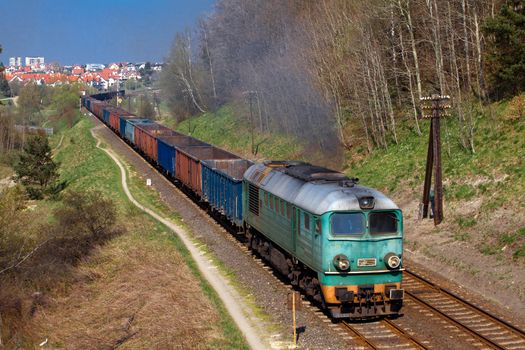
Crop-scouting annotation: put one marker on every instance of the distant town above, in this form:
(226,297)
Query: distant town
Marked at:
(99,76)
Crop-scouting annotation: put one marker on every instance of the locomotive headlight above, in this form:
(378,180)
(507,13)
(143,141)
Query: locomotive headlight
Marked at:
(366,202)
(392,261)
(341,262)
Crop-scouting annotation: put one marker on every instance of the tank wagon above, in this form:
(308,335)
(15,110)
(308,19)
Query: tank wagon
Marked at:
(338,241)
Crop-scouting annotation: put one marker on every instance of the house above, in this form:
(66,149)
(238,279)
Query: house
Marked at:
(77,70)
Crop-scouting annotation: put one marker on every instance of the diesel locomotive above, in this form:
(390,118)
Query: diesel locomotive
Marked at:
(338,241)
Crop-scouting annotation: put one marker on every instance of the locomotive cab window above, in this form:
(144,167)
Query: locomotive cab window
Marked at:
(382,223)
(347,224)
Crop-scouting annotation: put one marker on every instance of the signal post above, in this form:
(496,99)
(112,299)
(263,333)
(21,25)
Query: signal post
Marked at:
(434,108)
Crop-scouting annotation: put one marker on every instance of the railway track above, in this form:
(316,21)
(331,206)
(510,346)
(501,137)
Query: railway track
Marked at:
(489,329)
(383,334)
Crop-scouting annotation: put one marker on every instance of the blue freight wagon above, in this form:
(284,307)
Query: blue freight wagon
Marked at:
(105,115)
(166,146)
(129,128)
(222,186)
(123,121)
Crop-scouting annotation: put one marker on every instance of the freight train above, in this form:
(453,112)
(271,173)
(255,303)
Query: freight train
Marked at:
(340,242)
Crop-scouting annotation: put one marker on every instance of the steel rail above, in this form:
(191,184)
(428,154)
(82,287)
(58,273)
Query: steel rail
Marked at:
(467,303)
(469,306)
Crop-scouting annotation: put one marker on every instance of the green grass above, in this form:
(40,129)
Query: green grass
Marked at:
(222,129)
(466,222)
(86,167)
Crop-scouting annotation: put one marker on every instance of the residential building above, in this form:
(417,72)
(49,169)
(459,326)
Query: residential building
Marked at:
(34,61)
(15,61)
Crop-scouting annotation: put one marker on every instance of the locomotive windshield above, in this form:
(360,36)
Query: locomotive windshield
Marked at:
(344,224)
(383,223)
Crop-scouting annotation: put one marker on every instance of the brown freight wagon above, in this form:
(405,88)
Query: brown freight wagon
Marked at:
(114,119)
(96,108)
(146,138)
(188,164)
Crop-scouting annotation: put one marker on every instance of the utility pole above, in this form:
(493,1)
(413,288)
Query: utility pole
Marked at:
(251,94)
(436,104)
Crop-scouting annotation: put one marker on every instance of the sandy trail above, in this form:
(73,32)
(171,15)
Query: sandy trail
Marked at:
(229,296)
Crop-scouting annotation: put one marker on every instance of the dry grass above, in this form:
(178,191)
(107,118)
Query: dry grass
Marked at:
(135,293)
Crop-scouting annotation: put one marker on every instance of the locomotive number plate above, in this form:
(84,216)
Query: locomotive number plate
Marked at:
(366,262)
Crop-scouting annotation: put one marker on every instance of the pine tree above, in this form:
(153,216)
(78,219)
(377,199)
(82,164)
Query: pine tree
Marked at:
(506,49)
(35,169)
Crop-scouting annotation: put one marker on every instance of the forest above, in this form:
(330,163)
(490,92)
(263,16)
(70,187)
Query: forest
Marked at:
(348,75)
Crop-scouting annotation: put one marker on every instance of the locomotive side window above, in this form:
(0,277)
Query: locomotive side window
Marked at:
(282,207)
(277,205)
(344,224)
(383,223)
(289,208)
(271,201)
(306,219)
(266,198)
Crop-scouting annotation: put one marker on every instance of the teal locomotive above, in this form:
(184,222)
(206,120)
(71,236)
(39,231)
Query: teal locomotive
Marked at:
(340,242)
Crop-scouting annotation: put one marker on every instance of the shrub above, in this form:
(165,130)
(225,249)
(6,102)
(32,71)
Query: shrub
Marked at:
(85,220)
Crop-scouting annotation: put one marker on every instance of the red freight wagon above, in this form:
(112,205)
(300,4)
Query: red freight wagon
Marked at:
(96,108)
(188,160)
(146,138)
(114,119)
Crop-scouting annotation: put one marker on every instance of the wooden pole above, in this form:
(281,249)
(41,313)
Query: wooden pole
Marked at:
(294,321)
(437,108)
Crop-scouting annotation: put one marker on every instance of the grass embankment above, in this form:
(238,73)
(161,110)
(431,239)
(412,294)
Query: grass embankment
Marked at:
(142,288)
(223,130)
(483,190)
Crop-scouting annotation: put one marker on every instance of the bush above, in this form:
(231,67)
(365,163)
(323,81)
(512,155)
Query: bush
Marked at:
(85,220)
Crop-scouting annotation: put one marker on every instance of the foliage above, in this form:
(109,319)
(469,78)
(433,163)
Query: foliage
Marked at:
(65,100)
(15,238)
(84,220)
(146,73)
(146,109)
(507,49)
(30,102)
(5,90)
(35,169)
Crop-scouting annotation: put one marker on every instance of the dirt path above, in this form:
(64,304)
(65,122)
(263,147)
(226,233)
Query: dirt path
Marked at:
(231,299)
(58,146)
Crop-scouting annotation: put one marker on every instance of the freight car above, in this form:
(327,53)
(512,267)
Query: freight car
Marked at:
(338,241)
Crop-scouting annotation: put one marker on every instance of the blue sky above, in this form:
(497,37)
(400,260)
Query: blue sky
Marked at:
(95,31)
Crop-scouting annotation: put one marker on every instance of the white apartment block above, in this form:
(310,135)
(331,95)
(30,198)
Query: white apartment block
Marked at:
(15,61)
(34,61)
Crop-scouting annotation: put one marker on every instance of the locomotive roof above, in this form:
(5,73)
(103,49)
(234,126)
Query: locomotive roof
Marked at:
(315,189)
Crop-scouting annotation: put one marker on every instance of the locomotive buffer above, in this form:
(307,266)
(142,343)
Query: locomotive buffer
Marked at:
(434,108)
